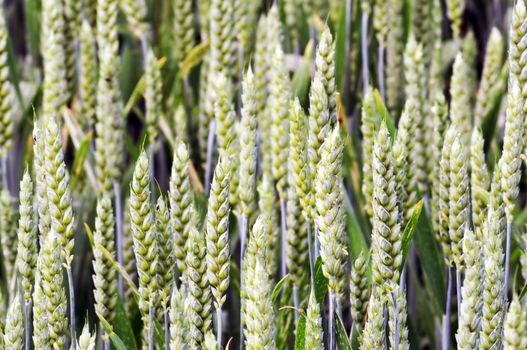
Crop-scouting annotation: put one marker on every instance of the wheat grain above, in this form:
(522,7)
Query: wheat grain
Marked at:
(515,328)
(258,313)
(455,10)
(359,292)
(105,278)
(144,233)
(178,323)
(180,197)
(458,211)
(183,29)
(27,238)
(329,203)
(14,328)
(490,74)
(468,330)
(297,195)
(153,95)
(248,147)
(87,75)
(6,91)
(165,243)
(50,308)
(373,336)
(314,331)
(55,90)
(386,232)
(198,314)
(415,91)
(217,234)
(479,181)
(86,340)
(136,13)
(8,235)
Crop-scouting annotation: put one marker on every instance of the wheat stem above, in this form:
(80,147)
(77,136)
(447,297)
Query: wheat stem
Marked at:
(283,235)
(72,307)
(210,150)
(397,336)
(458,291)
(331,321)
(119,234)
(151,327)
(446,317)
(27,343)
(219,326)
(310,251)
(364,50)
(380,71)
(507,258)
(296,302)
(167,329)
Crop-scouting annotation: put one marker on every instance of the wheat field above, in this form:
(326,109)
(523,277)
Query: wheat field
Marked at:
(261,175)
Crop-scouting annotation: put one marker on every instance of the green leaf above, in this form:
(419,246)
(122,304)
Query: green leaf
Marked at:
(302,77)
(384,114)
(300,335)
(488,125)
(193,58)
(140,87)
(431,260)
(123,327)
(159,335)
(523,292)
(80,156)
(278,288)
(343,342)
(354,337)
(340,49)
(89,233)
(409,230)
(321,282)
(114,338)
(357,242)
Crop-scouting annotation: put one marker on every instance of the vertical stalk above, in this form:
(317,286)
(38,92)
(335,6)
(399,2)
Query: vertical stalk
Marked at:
(243,239)
(507,258)
(219,326)
(151,326)
(446,317)
(72,307)
(3,170)
(151,154)
(187,100)
(364,49)
(167,329)
(458,291)
(317,243)
(310,251)
(210,149)
(296,302)
(283,213)
(331,323)
(27,305)
(106,344)
(119,234)
(397,337)
(380,71)
(386,326)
